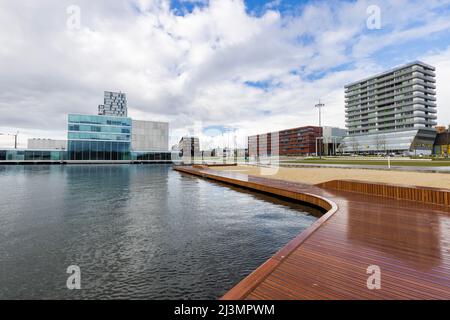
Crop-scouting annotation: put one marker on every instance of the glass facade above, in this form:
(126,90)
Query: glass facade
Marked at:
(98,150)
(86,151)
(418,141)
(32,155)
(93,137)
(151,156)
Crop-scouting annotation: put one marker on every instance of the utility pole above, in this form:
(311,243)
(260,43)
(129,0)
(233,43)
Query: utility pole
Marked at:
(320,106)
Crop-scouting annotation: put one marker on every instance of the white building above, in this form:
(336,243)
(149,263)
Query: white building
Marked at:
(189,146)
(47,144)
(149,136)
(332,138)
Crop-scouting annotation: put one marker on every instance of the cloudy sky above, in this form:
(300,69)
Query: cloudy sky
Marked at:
(207,67)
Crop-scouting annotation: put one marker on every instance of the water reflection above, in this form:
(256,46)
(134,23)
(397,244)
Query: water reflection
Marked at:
(136,231)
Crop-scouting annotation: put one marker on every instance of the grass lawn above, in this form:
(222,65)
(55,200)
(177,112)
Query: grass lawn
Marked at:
(384,162)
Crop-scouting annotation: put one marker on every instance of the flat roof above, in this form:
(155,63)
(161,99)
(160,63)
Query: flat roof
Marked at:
(417,62)
(296,128)
(97,115)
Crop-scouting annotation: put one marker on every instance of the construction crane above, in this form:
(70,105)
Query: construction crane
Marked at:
(15,137)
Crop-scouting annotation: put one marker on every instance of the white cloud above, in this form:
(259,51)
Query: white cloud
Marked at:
(441,61)
(192,69)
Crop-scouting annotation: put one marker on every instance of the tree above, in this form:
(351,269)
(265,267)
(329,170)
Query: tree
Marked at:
(378,142)
(355,145)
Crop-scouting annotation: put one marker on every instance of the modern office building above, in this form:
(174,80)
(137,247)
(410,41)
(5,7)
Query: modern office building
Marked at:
(241,153)
(108,137)
(332,138)
(149,136)
(115,104)
(48,144)
(20,155)
(94,137)
(393,111)
(189,147)
(112,135)
(217,152)
(300,141)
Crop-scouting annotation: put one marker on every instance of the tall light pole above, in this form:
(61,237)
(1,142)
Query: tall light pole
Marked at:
(320,106)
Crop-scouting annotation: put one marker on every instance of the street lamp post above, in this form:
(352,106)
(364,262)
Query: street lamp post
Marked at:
(320,106)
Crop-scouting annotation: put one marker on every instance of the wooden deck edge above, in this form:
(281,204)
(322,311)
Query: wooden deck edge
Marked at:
(249,283)
(253,280)
(426,195)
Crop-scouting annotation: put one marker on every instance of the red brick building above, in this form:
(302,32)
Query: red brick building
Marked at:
(291,142)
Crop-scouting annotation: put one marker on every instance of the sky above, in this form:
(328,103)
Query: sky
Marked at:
(217,69)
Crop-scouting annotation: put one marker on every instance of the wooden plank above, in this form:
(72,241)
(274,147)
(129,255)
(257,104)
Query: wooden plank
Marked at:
(413,193)
(409,240)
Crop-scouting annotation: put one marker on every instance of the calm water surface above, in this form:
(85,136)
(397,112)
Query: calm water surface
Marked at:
(136,231)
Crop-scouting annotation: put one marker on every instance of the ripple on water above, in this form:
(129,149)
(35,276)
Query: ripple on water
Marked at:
(140,232)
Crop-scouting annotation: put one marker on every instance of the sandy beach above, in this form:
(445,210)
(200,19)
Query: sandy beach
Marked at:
(319,175)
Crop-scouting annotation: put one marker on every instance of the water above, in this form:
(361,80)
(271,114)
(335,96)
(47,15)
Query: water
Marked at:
(135,231)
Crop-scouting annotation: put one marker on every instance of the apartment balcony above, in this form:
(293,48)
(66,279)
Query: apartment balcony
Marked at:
(389,79)
(424,109)
(404,108)
(392,93)
(421,82)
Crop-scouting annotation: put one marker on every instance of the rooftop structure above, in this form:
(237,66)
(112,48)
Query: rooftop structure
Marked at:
(115,104)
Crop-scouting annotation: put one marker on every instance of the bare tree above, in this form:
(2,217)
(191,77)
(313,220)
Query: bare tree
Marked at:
(355,144)
(383,143)
(378,142)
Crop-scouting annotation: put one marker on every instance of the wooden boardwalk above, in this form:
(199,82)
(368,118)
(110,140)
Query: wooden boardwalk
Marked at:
(409,241)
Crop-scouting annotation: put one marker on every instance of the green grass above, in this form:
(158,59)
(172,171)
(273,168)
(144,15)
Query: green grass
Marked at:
(406,163)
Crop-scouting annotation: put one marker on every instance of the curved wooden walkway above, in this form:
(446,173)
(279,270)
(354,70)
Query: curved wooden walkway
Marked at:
(409,241)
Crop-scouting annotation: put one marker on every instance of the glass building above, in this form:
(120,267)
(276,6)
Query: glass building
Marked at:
(98,137)
(32,155)
(60,156)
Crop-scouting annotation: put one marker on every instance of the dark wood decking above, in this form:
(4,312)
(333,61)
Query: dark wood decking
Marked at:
(409,241)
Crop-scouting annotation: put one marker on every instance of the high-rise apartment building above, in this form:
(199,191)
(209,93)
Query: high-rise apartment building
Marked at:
(115,104)
(394,111)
